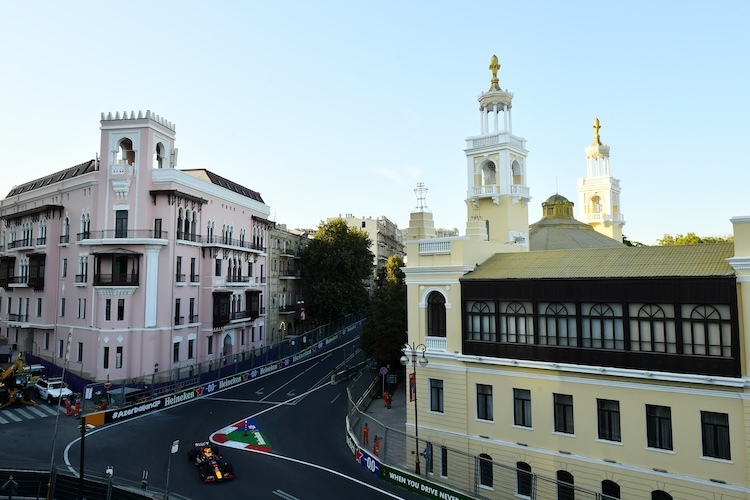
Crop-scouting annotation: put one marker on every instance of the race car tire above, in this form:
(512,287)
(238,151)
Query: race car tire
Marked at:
(192,455)
(228,468)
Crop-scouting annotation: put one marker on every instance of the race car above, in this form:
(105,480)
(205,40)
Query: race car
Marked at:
(210,465)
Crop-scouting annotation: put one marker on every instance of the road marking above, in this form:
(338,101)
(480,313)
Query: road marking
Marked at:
(3,421)
(337,396)
(259,392)
(284,494)
(11,415)
(24,414)
(38,411)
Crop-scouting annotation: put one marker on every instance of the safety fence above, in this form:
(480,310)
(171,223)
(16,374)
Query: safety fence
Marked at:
(63,483)
(437,471)
(126,392)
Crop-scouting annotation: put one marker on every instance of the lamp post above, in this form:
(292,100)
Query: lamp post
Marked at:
(410,355)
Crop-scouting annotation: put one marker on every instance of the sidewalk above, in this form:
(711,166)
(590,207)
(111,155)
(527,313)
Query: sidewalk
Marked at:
(379,418)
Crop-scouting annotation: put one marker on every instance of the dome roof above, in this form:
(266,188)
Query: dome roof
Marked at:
(559,230)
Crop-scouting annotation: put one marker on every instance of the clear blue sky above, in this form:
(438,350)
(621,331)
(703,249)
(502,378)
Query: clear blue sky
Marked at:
(330,108)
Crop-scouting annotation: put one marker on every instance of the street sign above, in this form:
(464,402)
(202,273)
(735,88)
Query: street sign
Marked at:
(383,370)
(175,446)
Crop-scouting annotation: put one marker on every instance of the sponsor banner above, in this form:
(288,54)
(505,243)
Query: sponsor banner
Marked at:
(368,461)
(134,411)
(419,484)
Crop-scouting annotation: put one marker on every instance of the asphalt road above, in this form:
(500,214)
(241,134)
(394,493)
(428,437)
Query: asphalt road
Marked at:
(300,414)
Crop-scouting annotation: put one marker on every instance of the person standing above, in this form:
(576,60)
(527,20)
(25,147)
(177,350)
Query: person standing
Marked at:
(376,447)
(366,434)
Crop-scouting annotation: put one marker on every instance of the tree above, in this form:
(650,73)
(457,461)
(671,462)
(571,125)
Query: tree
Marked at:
(629,243)
(335,265)
(692,239)
(384,332)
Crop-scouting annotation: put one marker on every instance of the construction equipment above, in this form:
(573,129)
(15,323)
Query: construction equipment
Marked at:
(14,386)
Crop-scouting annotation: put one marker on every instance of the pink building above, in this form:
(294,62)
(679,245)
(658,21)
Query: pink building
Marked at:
(145,267)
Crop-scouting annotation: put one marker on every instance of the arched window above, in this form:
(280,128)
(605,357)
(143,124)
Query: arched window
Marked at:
(436,315)
(600,328)
(480,321)
(596,204)
(516,324)
(125,153)
(485,470)
(159,155)
(488,174)
(524,479)
(565,489)
(559,326)
(653,330)
(517,173)
(610,490)
(707,332)
(660,495)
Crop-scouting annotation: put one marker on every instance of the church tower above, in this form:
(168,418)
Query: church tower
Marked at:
(599,192)
(498,196)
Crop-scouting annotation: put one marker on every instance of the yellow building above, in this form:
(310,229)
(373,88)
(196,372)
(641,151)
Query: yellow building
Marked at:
(562,365)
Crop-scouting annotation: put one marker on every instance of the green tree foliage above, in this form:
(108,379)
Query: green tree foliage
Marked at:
(335,264)
(692,239)
(384,331)
(629,243)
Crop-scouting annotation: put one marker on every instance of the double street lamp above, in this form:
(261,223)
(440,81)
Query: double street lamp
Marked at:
(411,353)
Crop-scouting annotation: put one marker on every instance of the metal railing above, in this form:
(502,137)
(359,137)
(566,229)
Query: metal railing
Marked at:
(122,279)
(122,233)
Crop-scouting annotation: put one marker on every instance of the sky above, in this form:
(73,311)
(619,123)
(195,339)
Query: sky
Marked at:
(330,108)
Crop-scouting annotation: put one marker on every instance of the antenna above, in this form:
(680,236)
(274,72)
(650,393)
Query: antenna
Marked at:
(421,192)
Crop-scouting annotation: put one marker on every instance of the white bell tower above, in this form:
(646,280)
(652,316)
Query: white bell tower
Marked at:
(599,192)
(497,197)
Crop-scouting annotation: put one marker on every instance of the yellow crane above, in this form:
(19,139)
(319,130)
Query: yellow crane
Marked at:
(13,386)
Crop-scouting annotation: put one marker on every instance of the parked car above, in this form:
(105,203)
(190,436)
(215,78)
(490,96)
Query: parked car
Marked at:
(35,372)
(52,389)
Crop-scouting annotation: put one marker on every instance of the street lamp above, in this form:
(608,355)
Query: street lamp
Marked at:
(412,351)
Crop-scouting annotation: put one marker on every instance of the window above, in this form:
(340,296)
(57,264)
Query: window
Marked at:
(191,349)
(427,454)
(610,490)
(484,402)
(177,313)
(64,267)
(523,479)
(81,308)
(60,348)
(217,272)
(564,413)
(522,407)
(118,357)
(193,275)
(38,307)
(608,414)
(193,318)
(515,323)
(444,461)
(659,427)
(108,309)
(106,358)
(480,321)
(157,228)
(46,341)
(565,489)
(62,307)
(557,324)
(436,315)
(121,224)
(120,309)
(210,348)
(653,330)
(436,395)
(176,352)
(179,276)
(708,332)
(715,430)
(485,470)
(80,352)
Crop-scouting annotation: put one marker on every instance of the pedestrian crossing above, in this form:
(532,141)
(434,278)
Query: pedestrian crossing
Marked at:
(13,414)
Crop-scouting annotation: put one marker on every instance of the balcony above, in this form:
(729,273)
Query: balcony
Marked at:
(241,316)
(122,279)
(290,274)
(18,280)
(18,318)
(238,280)
(179,320)
(81,279)
(24,244)
(436,343)
(193,318)
(179,277)
(231,242)
(65,238)
(40,242)
(131,234)
(287,309)
(183,236)
(194,278)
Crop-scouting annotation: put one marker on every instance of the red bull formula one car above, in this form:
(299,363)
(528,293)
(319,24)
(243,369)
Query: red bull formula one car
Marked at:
(211,466)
